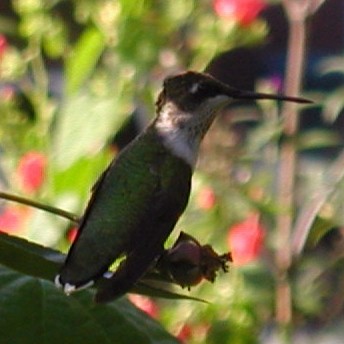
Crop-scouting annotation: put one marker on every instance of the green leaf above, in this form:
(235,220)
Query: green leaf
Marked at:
(84,125)
(148,290)
(35,311)
(320,227)
(310,210)
(29,258)
(333,64)
(39,261)
(333,105)
(80,176)
(133,7)
(263,135)
(83,59)
(317,138)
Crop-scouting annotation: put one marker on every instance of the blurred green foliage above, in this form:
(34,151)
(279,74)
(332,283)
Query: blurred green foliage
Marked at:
(72,73)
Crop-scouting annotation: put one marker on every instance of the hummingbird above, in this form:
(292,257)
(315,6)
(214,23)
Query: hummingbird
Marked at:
(139,198)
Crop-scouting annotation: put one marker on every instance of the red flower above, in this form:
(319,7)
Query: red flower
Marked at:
(243,11)
(245,240)
(185,333)
(3,44)
(206,198)
(71,234)
(31,171)
(10,220)
(145,304)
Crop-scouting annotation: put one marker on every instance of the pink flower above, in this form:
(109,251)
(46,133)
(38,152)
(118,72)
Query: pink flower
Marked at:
(10,220)
(245,240)
(146,304)
(7,92)
(242,11)
(206,198)
(3,44)
(276,82)
(31,171)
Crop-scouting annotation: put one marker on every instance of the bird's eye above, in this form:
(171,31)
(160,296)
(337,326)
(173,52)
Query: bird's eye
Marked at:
(196,87)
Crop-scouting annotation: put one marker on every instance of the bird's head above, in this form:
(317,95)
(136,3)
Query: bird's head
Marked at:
(191,100)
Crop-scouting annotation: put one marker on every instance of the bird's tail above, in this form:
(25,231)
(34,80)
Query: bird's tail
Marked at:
(127,274)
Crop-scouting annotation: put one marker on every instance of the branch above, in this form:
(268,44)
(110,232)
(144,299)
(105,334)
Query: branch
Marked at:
(50,209)
(297,13)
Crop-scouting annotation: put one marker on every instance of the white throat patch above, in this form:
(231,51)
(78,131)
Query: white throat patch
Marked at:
(182,131)
(175,138)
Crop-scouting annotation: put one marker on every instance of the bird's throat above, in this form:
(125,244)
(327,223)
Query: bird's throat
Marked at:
(177,137)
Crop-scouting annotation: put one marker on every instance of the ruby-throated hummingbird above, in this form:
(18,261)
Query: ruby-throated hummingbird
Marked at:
(137,201)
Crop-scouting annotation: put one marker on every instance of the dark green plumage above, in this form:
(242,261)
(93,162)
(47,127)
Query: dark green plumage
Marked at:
(139,198)
(133,209)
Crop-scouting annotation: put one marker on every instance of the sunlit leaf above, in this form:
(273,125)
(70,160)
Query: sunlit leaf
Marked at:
(85,123)
(320,227)
(318,138)
(83,58)
(76,180)
(333,105)
(331,65)
(133,7)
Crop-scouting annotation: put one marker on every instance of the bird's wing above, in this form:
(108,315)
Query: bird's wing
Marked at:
(168,203)
(123,214)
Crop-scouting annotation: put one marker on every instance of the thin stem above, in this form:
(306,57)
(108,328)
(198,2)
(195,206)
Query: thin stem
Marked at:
(38,205)
(296,12)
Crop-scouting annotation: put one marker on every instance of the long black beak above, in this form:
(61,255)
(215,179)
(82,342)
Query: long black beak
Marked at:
(238,94)
(254,95)
(242,94)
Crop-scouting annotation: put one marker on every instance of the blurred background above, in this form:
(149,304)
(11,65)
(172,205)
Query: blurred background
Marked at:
(78,80)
